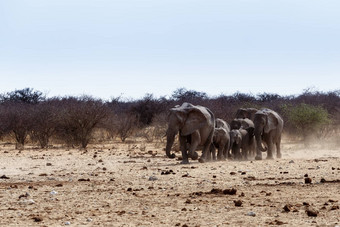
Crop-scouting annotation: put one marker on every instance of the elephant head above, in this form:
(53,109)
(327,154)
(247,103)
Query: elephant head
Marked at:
(246,113)
(264,122)
(185,120)
(235,137)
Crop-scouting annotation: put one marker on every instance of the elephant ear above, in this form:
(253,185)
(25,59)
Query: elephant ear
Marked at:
(195,119)
(180,114)
(271,122)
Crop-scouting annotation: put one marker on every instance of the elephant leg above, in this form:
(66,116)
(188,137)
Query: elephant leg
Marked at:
(212,152)
(183,147)
(270,149)
(258,154)
(220,152)
(195,139)
(206,149)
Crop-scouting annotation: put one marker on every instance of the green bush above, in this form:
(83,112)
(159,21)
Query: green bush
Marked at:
(306,119)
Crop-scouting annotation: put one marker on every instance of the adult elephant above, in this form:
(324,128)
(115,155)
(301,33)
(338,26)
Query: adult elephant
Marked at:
(246,113)
(221,140)
(268,130)
(195,126)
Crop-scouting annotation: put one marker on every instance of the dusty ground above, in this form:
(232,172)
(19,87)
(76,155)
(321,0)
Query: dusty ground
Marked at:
(124,185)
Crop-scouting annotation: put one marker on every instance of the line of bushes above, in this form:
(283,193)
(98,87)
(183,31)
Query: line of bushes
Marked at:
(28,115)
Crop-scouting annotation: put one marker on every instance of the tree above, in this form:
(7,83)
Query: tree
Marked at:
(78,117)
(26,95)
(307,119)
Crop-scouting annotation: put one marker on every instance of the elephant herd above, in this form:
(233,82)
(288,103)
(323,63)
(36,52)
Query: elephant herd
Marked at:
(249,134)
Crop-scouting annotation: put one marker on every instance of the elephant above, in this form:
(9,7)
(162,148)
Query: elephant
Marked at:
(195,126)
(241,139)
(221,140)
(268,130)
(246,113)
(248,125)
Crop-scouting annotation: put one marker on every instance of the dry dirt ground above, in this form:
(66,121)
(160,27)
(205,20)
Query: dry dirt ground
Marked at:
(133,184)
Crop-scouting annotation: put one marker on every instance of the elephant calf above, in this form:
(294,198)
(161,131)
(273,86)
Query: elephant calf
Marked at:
(241,139)
(221,140)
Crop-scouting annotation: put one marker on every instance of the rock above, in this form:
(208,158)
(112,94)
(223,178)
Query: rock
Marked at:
(67,223)
(53,192)
(232,173)
(305,204)
(323,180)
(335,207)
(37,219)
(188,201)
(308,180)
(153,178)
(82,179)
(306,175)
(48,164)
(311,212)
(4,177)
(287,208)
(58,185)
(251,213)
(291,161)
(238,203)
(89,220)
(231,191)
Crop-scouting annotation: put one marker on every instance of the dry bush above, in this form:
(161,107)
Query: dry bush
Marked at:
(125,125)
(16,119)
(77,119)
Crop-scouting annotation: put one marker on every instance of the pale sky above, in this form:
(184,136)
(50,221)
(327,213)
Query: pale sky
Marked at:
(108,48)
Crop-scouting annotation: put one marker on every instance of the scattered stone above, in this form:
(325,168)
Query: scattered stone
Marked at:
(188,201)
(43,175)
(24,195)
(277,222)
(82,179)
(243,173)
(238,203)
(232,173)
(67,223)
(335,207)
(4,177)
(53,192)
(305,204)
(323,180)
(291,161)
(185,175)
(89,220)
(308,180)
(185,225)
(287,208)
(178,224)
(214,176)
(129,190)
(311,212)
(100,160)
(58,185)
(231,191)
(184,209)
(37,219)
(104,169)
(242,194)
(153,178)
(306,175)
(251,213)
(48,164)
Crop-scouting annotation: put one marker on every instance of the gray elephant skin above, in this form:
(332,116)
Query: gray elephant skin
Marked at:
(241,139)
(195,126)
(221,140)
(248,138)
(246,113)
(268,130)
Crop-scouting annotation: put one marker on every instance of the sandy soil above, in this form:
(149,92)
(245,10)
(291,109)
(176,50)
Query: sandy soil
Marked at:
(124,185)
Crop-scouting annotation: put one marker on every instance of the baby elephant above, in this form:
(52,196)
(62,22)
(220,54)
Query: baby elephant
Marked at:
(241,139)
(221,140)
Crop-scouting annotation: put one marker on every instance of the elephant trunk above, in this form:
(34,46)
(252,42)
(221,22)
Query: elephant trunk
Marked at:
(170,138)
(258,137)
